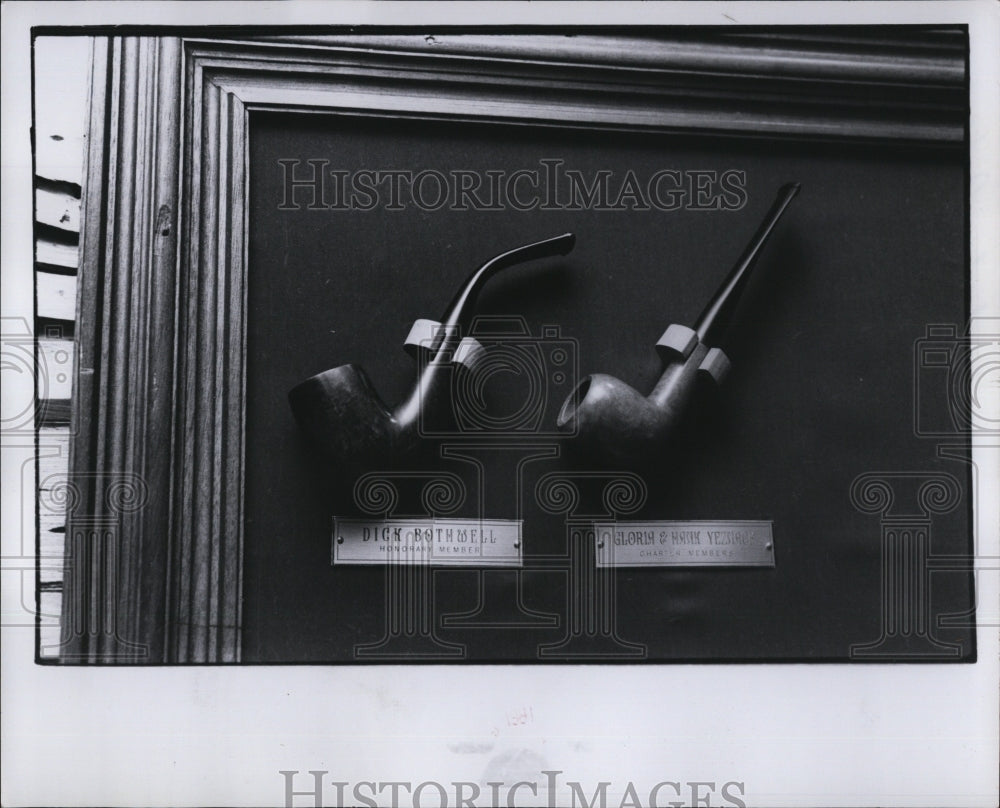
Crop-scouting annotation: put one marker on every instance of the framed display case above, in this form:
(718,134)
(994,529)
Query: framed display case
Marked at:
(258,209)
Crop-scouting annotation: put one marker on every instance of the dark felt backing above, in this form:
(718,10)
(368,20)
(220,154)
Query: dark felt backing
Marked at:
(822,390)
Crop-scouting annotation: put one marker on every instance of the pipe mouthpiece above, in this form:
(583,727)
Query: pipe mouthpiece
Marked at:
(789,190)
(459,311)
(718,314)
(547,248)
(565,243)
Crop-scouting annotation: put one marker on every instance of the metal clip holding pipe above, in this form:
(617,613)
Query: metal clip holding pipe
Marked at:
(342,413)
(620,423)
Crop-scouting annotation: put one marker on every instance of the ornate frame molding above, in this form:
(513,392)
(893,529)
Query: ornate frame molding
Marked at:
(159,396)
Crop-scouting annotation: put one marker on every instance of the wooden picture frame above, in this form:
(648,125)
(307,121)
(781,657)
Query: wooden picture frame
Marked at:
(155,537)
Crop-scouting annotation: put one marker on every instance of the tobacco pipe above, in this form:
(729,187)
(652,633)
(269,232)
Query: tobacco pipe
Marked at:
(617,421)
(342,413)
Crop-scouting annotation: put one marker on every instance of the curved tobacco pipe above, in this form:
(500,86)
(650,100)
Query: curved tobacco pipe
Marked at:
(339,408)
(623,424)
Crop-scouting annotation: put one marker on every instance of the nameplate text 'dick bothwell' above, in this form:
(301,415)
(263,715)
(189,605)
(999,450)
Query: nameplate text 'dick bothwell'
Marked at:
(444,542)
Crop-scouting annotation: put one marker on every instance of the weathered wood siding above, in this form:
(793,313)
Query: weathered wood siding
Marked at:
(61,69)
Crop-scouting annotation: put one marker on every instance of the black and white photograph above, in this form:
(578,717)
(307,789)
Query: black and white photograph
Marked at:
(501,404)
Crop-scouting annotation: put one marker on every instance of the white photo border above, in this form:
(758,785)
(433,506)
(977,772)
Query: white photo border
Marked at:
(799,735)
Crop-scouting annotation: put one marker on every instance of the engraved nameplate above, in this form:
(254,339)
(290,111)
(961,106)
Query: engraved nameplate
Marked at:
(684,544)
(444,542)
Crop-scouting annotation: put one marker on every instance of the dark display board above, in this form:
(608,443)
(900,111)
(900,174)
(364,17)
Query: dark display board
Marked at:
(827,370)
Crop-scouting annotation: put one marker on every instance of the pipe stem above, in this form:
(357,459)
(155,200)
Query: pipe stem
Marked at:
(718,314)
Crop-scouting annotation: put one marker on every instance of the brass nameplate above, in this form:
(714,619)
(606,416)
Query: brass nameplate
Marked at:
(684,544)
(444,542)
